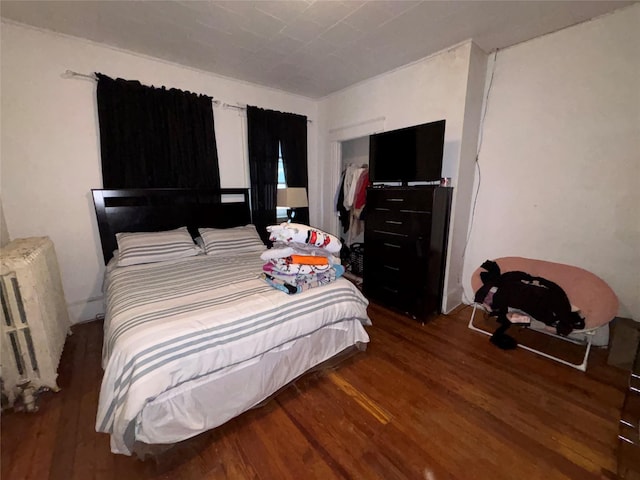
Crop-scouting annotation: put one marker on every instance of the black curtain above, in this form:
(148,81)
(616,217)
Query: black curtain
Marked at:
(154,137)
(262,132)
(265,129)
(293,141)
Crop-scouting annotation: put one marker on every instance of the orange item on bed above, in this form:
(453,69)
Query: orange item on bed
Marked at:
(309,260)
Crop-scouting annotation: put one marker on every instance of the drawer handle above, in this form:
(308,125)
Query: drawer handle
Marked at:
(625,439)
(395,269)
(393,222)
(392,290)
(402,210)
(395,199)
(635,375)
(393,245)
(627,424)
(391,233)
(634,389)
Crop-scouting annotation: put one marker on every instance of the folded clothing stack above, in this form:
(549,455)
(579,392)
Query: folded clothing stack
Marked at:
(301,258)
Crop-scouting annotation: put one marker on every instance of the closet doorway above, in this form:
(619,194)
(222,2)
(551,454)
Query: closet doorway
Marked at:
(354,154)
(347,143)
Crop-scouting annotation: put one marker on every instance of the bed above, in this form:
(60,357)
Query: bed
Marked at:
(192,342)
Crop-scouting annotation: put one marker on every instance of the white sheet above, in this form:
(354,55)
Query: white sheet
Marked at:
(239,388)
(173,322)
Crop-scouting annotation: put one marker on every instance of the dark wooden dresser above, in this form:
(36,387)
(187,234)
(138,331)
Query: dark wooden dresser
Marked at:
(406,232)
(629,436)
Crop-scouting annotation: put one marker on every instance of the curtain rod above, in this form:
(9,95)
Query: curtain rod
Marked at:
(72,74)
(240,107)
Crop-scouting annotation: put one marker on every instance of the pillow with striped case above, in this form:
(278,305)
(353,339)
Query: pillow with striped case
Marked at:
(231,241)
(150,247)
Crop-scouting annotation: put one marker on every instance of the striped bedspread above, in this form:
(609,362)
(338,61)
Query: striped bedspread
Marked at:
(172,322)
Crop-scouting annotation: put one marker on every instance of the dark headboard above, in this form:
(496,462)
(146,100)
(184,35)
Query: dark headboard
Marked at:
(157,209)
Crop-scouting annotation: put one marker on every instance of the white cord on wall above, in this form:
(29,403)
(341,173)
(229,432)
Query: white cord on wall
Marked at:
(477,165)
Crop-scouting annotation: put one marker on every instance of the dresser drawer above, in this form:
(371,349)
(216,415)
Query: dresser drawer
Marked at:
(402,268)
(631,408)
(629,433)
(411,224)
(391,272)
(628,461)
(385,294)
(630,420)
(395,250)
(405,299)
(405,199)
(634,382)
(629,427)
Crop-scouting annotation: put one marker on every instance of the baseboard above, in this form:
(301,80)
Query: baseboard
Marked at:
(86,311)
(452,299)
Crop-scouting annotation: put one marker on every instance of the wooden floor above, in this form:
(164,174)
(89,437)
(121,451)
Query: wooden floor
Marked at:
(424,402)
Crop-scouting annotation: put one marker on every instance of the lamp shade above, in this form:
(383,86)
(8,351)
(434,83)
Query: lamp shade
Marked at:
(294,197)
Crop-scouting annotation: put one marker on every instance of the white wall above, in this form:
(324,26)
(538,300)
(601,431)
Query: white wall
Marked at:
(560,159)
(437,87)
(4,233)
(50,143)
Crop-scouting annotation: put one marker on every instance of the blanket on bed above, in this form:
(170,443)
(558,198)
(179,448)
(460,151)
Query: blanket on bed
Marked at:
(171,322)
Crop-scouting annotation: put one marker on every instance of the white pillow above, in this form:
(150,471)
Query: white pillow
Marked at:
(149,247)
(231,241)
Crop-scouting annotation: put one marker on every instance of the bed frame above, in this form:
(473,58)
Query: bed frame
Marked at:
(158,209)
(142,210)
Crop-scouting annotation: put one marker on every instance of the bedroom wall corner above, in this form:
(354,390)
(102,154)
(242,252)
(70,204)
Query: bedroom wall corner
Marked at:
(560,156)
(464,175)
(4,232)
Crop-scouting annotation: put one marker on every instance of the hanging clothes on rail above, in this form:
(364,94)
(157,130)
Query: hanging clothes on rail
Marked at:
(359,202)
(350,180)
(351,200)
(343,213)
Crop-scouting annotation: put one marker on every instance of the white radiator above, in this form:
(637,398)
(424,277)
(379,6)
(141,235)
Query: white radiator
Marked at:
(34,316)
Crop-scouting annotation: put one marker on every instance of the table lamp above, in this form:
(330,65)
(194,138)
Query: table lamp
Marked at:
(292,198)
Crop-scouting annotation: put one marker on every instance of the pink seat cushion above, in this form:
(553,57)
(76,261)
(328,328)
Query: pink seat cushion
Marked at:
(598,304)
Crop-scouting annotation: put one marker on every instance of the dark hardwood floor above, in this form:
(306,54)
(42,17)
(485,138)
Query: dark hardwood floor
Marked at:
(431,401)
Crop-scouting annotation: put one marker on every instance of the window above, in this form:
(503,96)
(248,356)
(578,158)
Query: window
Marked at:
(281,212)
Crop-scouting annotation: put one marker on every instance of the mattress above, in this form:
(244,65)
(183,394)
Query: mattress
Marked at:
(247,384)
(174,327)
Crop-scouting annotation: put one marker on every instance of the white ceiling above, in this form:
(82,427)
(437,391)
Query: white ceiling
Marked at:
(307,47)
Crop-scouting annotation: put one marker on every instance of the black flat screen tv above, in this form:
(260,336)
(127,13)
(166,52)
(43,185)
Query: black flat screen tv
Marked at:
(412,154)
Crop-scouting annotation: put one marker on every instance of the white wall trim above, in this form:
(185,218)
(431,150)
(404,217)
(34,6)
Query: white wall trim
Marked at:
(356,130)
(336,136)
(335,154)
(451,299)
(86,310)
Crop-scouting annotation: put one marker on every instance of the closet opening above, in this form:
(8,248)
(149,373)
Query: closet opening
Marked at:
(351,203)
